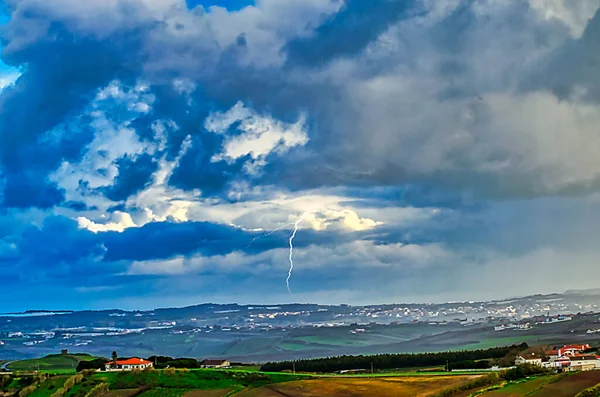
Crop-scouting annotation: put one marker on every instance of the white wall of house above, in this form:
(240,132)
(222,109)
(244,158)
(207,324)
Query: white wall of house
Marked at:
(534,361)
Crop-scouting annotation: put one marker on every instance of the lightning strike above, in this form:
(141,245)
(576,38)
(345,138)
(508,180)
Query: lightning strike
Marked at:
(268,234)
(287,280)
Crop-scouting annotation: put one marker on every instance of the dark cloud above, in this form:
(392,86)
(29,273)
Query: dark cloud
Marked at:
(342,151)
(196,170)
(347,32)
(61,76)
(573,65)
(30,189)
(421,118)
(164,240)
(134,176)
(77,206)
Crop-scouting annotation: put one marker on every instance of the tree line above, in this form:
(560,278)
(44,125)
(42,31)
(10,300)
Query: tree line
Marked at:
(160,362)
(390,361)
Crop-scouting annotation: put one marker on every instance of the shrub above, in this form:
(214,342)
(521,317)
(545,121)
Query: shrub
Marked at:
(182,363)
(525,370)
(98,390)
(470,364)
(591,392)
(5,381)
(72,381)
(27,390)
(59,393)
(40,378)
(98,363)
(479,382)
(170,371)
(254,377)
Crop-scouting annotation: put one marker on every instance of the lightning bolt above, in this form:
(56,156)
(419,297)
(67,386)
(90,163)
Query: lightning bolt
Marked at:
(287,280)
(268,234)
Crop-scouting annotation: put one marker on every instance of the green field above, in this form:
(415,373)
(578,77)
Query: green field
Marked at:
(230,383)
(82,389)
(494,342)
(521,388)
(332,341)
(204,379)
(47,388)
(54,362)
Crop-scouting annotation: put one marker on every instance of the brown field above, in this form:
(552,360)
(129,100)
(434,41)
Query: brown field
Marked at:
(207,393)
(120,393)
(417,386)
(570,386)
(519,389)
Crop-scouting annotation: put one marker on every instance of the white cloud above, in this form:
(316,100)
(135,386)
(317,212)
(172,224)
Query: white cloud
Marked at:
(8,79)
(118,222)
(361,255)
(574,14)
(261,136)
(98,166)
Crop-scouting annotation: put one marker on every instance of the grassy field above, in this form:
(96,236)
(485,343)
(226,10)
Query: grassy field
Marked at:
(55,362)
(520,388)
(358,387)
(247,382)
(49,387)
(203,379)
(495,342)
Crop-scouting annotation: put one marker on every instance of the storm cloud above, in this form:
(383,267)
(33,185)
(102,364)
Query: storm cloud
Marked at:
(144,140)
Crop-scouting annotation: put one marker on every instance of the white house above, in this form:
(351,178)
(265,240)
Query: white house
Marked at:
(129,364)
(215,364)
(532,359)
(557,362)
(571,350)
(584,362)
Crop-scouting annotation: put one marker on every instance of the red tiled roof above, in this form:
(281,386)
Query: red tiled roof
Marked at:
(587,356)
(577,347)
(213,362)
(131,361)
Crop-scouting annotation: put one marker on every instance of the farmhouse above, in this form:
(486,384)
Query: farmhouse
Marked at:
(584,362)
(571,350)
(128,365)
(557,362)
(530,359)
(215,364)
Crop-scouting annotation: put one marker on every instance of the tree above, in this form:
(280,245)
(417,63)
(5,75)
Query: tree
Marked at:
(114,357)
(98,363)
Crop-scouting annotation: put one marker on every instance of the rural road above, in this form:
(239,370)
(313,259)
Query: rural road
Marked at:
(3,367)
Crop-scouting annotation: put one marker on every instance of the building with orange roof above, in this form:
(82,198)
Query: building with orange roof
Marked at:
(128,364)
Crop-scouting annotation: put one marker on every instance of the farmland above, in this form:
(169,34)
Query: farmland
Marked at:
(561,385)
(217,383)
(252,383)
(418,386)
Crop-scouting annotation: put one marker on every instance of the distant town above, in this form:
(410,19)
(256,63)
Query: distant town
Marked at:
(300,328)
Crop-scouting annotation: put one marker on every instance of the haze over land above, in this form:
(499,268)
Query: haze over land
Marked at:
(434,151)
(258,333)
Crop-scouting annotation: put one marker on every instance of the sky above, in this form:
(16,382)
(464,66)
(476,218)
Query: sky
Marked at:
(159,152)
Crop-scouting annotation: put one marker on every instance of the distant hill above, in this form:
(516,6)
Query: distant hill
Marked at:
(50,362)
